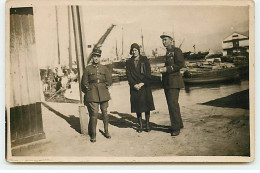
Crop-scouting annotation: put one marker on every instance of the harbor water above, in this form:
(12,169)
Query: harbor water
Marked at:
(190,95)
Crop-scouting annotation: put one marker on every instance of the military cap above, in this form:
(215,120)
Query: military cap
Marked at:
(97,52)
(166,34)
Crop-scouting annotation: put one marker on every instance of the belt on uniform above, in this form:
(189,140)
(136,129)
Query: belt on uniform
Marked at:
(96,81)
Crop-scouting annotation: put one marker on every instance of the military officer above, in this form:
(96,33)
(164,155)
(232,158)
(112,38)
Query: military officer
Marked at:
(172,81)
(95,82)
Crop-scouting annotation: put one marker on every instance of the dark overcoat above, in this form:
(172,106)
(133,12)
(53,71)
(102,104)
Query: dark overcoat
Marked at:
(174,61)
(141,100)
(95,82)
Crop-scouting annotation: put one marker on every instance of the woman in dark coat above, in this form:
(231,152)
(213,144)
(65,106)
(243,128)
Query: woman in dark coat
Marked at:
(138,72)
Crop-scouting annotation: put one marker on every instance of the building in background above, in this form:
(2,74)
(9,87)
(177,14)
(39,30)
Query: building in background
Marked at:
(236,45)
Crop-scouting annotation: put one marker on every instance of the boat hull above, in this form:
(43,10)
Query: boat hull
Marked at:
(213,76)
(210,80)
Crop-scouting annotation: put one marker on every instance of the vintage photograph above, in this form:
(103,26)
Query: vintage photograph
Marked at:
(130,81)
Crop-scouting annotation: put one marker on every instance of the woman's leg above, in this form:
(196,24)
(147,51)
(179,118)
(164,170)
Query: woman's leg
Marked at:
(139,118)
(147,117)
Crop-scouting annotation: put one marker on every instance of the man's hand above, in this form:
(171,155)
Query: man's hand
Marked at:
(87,88)
(163,69)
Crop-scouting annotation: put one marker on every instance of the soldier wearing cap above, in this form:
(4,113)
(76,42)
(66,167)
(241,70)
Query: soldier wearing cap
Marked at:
(172,81)
(95,82)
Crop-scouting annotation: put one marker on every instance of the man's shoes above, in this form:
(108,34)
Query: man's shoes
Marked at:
(93,140)
(107,135)
(175,133)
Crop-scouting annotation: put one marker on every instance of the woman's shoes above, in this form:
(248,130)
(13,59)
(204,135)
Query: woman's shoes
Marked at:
(148,129)
(140,130)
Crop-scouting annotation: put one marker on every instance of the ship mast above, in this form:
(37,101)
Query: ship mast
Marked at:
(142,40)
(173,37)
(122,41)
(116,52)
(181,43)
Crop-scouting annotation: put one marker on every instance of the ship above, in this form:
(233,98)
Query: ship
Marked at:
(193,56)
(209,75)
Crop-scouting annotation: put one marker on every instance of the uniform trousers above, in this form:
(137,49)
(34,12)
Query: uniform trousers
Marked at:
(93,108)
(172,97)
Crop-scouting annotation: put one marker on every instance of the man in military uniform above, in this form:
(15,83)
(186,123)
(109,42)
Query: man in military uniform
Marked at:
(172,81)
(95,82)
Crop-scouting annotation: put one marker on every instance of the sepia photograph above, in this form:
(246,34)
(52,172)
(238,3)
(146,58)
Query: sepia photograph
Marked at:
(130,81)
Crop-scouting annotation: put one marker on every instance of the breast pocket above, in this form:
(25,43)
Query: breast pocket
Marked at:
(92,76)
(102,75)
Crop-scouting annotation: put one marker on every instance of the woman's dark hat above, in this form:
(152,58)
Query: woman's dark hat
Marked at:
(134,45)
(96,52)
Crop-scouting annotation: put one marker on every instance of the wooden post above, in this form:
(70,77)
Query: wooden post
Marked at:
(69,49)
(81,65)
(58,40)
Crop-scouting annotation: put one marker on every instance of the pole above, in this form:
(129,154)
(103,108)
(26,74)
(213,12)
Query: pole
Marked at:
(81,65)
(78,45)
(70,56)
(57,27)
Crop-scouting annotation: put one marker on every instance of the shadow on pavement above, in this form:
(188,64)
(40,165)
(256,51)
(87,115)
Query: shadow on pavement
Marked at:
(72,120)
(236,100)
(129,121)
(125,121)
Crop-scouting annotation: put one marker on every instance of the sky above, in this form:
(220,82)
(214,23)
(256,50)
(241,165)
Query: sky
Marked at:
(204,26)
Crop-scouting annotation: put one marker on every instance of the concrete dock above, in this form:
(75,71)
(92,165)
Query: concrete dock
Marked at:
(208,130)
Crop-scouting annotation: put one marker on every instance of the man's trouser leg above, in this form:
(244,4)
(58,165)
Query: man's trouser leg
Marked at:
(103,107)
(93,115)
(172,97)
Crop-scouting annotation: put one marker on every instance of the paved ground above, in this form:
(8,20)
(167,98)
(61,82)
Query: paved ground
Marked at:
(208,131)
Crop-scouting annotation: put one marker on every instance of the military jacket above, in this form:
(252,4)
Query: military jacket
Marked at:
(174,61)
(95,82)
